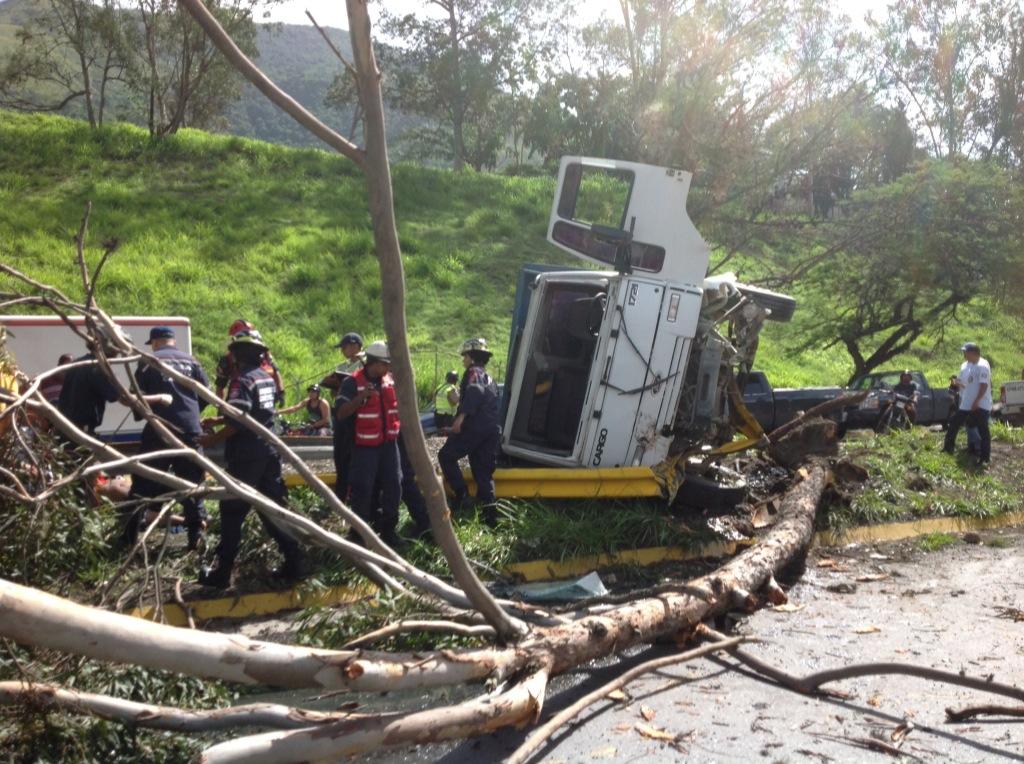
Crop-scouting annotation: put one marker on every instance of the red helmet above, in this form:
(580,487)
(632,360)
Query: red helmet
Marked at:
(240,325)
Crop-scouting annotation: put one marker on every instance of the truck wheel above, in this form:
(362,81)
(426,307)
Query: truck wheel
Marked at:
(782,306)
(720,488)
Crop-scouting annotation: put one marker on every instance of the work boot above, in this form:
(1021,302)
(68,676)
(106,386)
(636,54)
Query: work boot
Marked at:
(460,502)
(293,569)
(215,578)
(195,532)
(423,533)
(392,539)
(489,514)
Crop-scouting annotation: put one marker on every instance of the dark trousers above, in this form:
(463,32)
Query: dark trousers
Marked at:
(375,485)
(342,457)
(411,494)
(262,471)
(144,488)
(977,418)
(482,450)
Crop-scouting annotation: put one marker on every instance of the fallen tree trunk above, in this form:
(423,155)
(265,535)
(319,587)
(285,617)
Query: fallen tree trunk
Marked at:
(43,620)
(36,618)
(517,706)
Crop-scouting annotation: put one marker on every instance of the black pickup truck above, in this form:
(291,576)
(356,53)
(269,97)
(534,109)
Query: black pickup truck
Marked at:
(774,407)
(933,404)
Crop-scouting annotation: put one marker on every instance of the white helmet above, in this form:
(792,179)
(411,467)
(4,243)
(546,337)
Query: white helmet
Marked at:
(378,351)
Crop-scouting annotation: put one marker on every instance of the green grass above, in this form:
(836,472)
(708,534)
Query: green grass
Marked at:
(216,227)
(911,477)
(933,542)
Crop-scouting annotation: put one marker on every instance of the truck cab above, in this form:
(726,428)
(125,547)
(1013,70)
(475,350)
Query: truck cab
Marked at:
(617,364)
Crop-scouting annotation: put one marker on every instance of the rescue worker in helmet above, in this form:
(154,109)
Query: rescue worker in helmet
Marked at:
(227,369)
(474,431)
(446,401)
(351,347)
(318,413)
(368,398)
(250,459)
(908,389)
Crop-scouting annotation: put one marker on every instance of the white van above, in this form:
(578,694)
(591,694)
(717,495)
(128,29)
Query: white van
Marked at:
(616,367)
(36,342)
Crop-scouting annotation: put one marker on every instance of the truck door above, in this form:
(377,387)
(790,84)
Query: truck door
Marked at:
(925,400)
(627,371)
(598,197)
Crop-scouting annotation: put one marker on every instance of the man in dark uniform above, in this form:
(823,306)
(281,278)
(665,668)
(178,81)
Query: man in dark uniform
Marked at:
(182,417)
(474,432)
(351,347)
(227,369)
(85,395)
(251,460)
(368,399)
(412,496)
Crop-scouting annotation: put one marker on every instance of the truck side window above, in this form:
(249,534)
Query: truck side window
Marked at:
(595,195)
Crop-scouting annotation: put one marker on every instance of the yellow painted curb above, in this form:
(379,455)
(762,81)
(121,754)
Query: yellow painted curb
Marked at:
(545,570)
(896,531)
(268,603)
(294,481)
(260,603)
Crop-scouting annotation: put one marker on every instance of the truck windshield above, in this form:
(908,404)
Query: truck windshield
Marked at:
(554,385)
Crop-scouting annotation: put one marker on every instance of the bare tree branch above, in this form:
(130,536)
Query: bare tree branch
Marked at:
(278,97)
(46,696)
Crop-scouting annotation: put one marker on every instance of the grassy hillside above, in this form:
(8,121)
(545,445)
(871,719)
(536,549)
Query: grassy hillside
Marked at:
(215,227)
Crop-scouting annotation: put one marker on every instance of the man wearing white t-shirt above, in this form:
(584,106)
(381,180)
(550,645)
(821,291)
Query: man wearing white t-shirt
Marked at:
(975,383)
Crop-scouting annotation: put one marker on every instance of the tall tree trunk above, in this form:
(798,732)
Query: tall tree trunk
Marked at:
(87,89)
(392,275)
(458,97)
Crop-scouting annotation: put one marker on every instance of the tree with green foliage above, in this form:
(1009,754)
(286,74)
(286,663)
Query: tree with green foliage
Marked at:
(69,50)
(452,62)
(960,64)
(910,255)
(173,68)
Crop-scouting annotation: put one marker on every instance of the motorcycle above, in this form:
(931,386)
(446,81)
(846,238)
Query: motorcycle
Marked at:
(896,415)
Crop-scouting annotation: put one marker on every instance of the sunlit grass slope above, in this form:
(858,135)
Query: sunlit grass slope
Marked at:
(216,227)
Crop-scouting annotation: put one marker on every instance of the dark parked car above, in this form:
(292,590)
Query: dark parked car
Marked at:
(773,407)
(932,403)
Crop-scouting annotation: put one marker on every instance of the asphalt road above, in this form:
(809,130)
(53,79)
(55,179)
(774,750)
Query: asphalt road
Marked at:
(890,602)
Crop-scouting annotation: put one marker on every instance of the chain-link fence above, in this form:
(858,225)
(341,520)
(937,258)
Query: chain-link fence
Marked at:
(429,364)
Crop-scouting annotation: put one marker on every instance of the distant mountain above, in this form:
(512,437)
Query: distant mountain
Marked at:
(293,56)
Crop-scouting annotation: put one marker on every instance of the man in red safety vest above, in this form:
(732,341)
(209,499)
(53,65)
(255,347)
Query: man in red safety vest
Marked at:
(369,396)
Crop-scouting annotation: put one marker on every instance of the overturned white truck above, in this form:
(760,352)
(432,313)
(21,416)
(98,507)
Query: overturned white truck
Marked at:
(632,364)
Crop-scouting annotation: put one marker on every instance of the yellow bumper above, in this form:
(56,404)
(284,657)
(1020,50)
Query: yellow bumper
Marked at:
(557,483)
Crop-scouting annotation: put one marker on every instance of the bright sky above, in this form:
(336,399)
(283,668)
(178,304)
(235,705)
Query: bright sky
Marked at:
(332,12)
